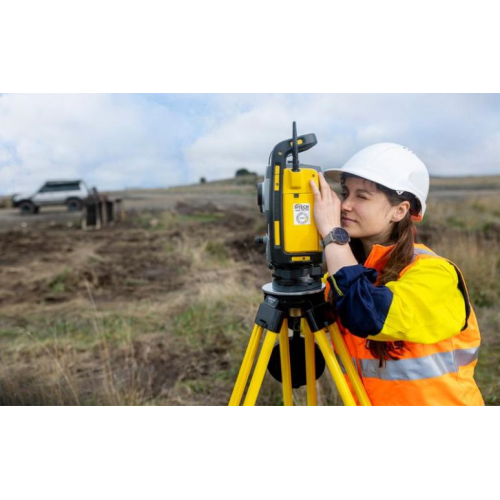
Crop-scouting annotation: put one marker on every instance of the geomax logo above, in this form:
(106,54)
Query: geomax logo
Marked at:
(301,206)
(302,214)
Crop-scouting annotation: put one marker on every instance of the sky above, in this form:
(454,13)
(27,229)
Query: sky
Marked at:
(117,141)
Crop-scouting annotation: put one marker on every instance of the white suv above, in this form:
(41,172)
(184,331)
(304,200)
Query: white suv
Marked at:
(69,193)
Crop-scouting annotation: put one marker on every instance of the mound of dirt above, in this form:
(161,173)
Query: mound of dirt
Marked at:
(124,262)
(54,266)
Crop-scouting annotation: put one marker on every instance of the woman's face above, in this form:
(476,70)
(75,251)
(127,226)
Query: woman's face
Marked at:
(366,211)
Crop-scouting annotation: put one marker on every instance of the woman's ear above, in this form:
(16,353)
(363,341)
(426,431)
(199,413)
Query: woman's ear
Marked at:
(400,211)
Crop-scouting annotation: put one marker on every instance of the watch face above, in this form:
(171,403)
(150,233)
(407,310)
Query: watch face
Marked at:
(341,235)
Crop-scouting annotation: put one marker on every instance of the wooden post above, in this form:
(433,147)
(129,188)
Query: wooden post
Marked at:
(104,212)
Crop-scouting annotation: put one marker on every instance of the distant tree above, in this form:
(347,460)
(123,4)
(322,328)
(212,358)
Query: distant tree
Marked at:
(203,180)
(242,171)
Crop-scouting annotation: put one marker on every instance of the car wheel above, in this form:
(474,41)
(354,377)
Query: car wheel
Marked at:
(74,204)
(27,208)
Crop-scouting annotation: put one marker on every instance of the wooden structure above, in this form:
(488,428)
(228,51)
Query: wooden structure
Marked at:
(100,211)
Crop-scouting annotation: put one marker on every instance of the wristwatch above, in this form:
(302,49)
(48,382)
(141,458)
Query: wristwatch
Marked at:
(336,235)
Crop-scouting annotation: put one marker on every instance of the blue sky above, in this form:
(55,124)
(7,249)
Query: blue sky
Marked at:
(116,141)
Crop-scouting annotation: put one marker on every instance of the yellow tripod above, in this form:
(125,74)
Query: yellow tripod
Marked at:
(315,317)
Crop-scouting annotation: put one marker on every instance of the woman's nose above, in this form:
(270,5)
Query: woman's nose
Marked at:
(346,205)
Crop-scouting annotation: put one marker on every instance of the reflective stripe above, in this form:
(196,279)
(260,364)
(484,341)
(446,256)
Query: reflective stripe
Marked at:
(431,366)
(418,251)
(466,356)
(342,367)
(342,364)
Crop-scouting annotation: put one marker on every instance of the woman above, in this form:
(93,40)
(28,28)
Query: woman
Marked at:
(404,311)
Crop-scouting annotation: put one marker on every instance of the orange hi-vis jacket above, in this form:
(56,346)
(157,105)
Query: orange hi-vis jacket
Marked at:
(428,308)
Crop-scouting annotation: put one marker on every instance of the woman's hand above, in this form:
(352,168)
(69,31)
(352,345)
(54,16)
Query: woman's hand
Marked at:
(327,207)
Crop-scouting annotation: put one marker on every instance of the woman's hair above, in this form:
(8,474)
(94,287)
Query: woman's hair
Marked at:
(403,238)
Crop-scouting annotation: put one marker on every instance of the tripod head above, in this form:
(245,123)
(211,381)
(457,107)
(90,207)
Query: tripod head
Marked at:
(286,199)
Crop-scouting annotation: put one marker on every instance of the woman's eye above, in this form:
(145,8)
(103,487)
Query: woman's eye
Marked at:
(362,197)
(343,195)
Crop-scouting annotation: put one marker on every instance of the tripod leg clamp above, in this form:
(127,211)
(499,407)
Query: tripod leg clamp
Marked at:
(269,316)
(320,316)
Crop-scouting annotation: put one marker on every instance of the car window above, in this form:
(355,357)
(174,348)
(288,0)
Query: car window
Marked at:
(71,186)
(48,189)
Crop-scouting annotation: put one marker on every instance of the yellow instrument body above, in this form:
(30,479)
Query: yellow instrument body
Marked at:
(300,233)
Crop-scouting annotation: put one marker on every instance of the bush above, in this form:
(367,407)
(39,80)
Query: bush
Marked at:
(243,172)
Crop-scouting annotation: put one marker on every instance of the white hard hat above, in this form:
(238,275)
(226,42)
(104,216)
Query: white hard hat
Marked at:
(391,165)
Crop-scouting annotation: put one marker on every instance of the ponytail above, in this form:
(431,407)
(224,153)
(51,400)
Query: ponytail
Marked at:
(403,235)
(401,255)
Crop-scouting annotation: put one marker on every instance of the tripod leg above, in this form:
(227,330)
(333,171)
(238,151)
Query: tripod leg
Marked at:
(246,365)
(310,364)
(341,348)
(260,368)
(334,367)
(286,370)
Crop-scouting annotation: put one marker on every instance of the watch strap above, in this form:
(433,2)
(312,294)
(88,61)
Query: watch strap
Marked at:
(331,238)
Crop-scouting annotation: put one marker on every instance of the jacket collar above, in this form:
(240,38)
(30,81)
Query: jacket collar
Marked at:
(378,256)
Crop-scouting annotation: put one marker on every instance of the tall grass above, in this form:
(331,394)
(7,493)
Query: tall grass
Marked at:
(185,345)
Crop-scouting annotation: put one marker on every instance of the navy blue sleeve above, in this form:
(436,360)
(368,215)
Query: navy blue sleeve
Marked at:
(362,306)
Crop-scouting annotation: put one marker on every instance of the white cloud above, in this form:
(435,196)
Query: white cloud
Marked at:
(113,141)
(448,131)
(116,141)
(243,139)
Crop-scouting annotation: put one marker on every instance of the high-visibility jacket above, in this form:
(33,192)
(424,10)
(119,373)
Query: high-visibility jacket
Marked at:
(428,308)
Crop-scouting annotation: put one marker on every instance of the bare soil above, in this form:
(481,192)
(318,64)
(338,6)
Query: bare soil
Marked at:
(129,314)
(53,273)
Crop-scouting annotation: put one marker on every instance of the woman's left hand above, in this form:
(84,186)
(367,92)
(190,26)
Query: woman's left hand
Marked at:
(327,207)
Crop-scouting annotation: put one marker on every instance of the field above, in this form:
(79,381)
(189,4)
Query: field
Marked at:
(158,310)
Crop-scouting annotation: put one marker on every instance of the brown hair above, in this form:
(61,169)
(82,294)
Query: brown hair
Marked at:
(403,237)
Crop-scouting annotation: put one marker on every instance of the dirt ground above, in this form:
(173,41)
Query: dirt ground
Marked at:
(58,279)
(114,260)
(156,309)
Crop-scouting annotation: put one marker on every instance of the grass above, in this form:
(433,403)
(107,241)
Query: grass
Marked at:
(59,283)
(217,250)
(466,183)
(209,324)
(466,212)
(478,259)
(167,220)
(158,351)
(185,345)
(80,331)
(91,360)
(487,374)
